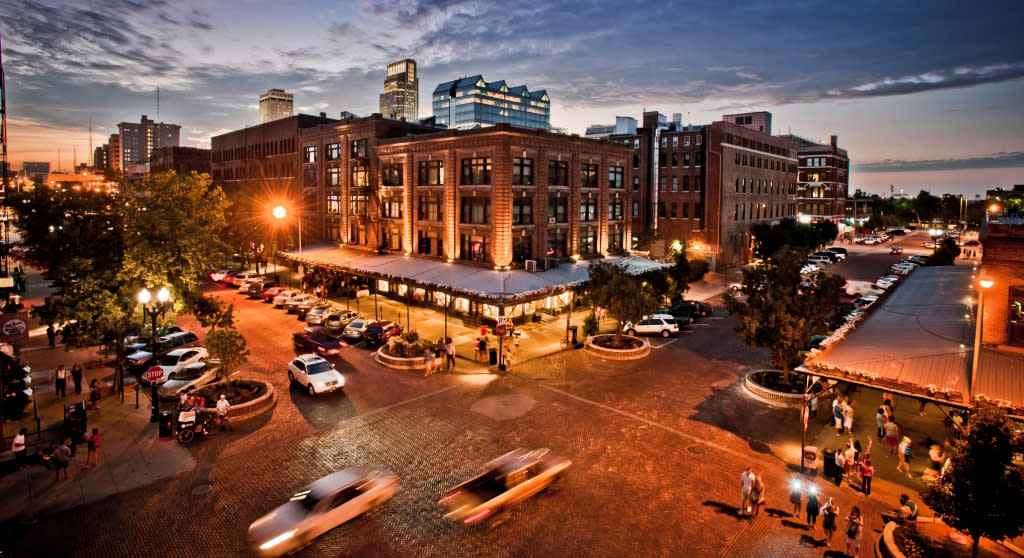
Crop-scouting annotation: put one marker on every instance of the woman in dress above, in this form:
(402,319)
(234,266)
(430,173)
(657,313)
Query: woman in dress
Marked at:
(756,495)
(813,507)
(829,513)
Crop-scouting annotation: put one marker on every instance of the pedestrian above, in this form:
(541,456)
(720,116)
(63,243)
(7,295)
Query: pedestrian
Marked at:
(880,421)
(51,335)
(60,457)
(837,414)
(77,373)
(94,393)
(428,361)
(450,351)
(747,480)
(936,458)
(796,496)
(19,447)
(850,457)
(93,443)
(867,471)
(508,359)
(813,507)
(847,416)
(483,331)
(854,530)
(60,380)
(921,408)
(183,400)
(756,495)
(904,455)
(840,466)
(829,513)
(892,433)
(222,412)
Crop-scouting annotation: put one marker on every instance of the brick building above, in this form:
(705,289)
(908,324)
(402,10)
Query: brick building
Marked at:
(181,160)
(823,179)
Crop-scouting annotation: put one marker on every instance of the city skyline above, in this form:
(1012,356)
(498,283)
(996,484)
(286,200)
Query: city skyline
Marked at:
(917,106)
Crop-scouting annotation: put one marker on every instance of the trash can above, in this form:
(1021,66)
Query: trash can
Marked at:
(572,334)
(829,458)
(811,459)
(166,424)
(76,421)
(493,352)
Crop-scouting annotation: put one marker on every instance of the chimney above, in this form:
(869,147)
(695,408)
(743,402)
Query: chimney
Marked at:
(835,141)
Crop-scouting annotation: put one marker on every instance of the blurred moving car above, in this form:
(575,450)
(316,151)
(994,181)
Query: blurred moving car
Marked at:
(221,275)
(505,481)
(315,374)
(896,250)
(378,333)
(320,507)
(192,376)
(238,278)
(316,340)
(887,281)
(257,288)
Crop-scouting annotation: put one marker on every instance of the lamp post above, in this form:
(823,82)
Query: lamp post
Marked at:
(984,285)
(163,296)
(280,213)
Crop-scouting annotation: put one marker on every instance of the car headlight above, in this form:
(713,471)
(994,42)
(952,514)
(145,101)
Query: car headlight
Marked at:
(277,540)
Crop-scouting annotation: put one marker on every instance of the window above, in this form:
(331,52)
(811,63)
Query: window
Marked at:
(391,174)
(636,161)
(636,209)
(675,159)
(615,209)
(699,140)
(333,176)
(698,210)
(662,159)
(636,183)
(737,185)
(675,141)
(686,211)
(558,209)
(558,173)
(743,184)
(664,141)
(661,183)
(522,171)
(673,209)
(309,177)
(698,158)
(661,209)
(359,176)
(737,158)
(474,248)
(309,154)
(558,244)
(616,178)
(391,207)
(698,183)
(333,203)
(476,170)
(686,183)
(333,151)
(615,241)
(428,244)
(357,205)
(522,211)
(588,176)
(686,141)
(588,209)
(429,208)
(476,211)
(744,160)
(522,248)
(431,173)
(359,148)
(636,144)
(588,243)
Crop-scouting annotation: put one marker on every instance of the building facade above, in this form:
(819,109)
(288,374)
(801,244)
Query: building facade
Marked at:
(276,104)
(760,121)
(472,102)
(823,180)
(181,160)
(114,152)
(38,172)
(138,140)
(401,96)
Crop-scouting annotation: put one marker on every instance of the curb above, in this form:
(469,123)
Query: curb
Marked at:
(620,354)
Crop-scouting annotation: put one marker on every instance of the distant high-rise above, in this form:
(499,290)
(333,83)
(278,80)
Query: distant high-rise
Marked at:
(485,104)
(138,140)
(401,96)
(275,105)
(114,152)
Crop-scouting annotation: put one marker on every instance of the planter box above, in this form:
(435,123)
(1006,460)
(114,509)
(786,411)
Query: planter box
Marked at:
(250,409)
(399,363)
(619,354)
(770,396)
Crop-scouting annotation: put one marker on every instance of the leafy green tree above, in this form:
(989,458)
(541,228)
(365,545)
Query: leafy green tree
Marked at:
(981,492)
(625,297)
(227,346)
(781,310)
(590,325)
(792,234)
(945,253)
(927,206)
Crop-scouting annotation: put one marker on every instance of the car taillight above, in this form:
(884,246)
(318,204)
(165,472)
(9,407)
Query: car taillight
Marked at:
(449,497)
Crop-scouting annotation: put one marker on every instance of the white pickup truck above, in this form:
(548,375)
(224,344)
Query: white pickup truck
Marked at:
(507,480)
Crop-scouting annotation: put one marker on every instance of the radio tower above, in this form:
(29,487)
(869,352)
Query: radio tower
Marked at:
(5,238)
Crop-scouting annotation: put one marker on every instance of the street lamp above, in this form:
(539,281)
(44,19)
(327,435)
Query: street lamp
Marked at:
(985,284)
(163,296)
(281,213)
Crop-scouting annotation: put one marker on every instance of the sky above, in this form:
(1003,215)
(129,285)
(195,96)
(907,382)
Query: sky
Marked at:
(923,94)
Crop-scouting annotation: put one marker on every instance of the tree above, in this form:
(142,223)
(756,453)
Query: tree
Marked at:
(781,310)
(792,234)
(227,346)
(625,297)
(980,493)
(945,253)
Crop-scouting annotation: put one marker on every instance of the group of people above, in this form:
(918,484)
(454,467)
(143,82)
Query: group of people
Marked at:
(441,358)
(842,415)
(853,461)
(61,375)
(189,401)
(60,453)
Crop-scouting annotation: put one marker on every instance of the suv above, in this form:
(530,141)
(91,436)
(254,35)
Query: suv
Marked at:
(839,251)
(256,288)
(832,256)
(683,316)
(315,374)
(316,340)
(336,320)
(696,307)
(377,333)
(658,324)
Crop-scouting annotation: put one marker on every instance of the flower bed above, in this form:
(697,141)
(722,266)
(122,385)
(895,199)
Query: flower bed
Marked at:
(404,352)
(632,347)
(930,538)
(248,398)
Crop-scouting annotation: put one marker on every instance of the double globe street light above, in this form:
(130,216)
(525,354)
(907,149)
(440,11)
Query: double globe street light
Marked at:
(154,308)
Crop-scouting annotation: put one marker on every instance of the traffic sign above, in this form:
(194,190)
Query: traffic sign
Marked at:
(154,373)
(500,330)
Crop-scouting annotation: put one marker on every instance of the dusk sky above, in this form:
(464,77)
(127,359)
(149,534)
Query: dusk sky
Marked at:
(922,94)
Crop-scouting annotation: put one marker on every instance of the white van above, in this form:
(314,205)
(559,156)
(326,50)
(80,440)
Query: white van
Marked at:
(861,288)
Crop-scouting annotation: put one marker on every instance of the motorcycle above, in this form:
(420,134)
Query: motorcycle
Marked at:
(189,425)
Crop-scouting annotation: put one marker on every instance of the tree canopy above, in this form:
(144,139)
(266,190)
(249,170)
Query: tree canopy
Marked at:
(673,282)
(792,234)
(227,346)
(981,492)
(625,297)
(945,253)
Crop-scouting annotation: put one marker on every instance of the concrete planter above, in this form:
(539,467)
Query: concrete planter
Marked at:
(619,354)
(770,396)
(254,408)
(399,363)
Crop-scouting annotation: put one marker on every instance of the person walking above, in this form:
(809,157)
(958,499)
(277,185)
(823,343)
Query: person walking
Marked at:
(60,380)
(904,455)
(880,421)
(840,466)
(20,447)
(867,471)
(850,457)
(829,513)
(747,482)
(892,433)
(756,495)
(222,413)
(847,416)
(837,414)
(854,530)
(813,507)
(93,443)
(77,373)
(796,496)
(450,351)
(428,362)
(61,457)
(51,335)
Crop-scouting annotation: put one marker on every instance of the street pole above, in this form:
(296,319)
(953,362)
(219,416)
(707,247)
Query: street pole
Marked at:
(156,401)
(979,323)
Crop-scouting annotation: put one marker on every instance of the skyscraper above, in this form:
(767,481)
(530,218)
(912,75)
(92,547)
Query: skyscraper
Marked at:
(275,105)
(138,140)
(485,104)
(401,96)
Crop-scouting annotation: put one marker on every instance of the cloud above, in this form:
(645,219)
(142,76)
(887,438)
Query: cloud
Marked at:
(994,161)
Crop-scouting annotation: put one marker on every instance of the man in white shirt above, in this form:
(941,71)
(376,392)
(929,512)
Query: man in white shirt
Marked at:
(747,478)
(222,412)
(19,447)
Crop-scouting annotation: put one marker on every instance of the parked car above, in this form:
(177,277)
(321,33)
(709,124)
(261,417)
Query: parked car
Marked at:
(245,286)
(140,360)
(354,329)
(221,275)
(896,250)
(316,340)
(699,308)
(303,308)
(505,481)
(336,320)
(831,256)
(815,341)
(294,302)
(241,277)
(314,373)
(283,297)
(317,314)
(682,316)
(838,250)
(320,507)
(178,359)
(820,261)
(919,258)
(903,269)
(257,288)
(658,324)
(887,281)
(378,333)
(270,294)
(192,376)
(864,302)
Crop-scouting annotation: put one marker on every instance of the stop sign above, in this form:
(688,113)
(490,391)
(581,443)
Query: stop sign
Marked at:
(154,373)
(500,330)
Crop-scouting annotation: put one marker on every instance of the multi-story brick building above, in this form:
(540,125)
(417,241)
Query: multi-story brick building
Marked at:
(705,186)
(181,160)
(823,179)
